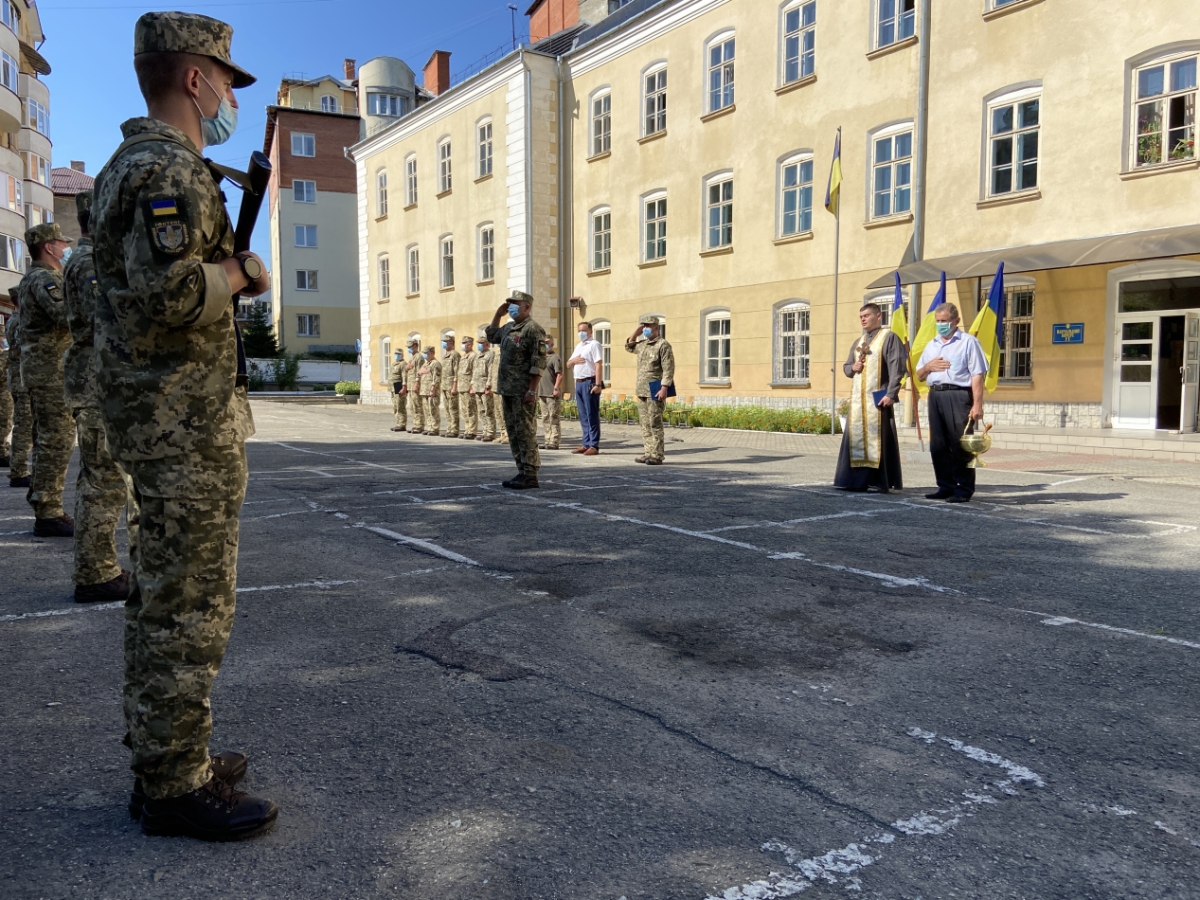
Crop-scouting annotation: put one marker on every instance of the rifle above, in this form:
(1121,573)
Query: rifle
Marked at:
(254,191)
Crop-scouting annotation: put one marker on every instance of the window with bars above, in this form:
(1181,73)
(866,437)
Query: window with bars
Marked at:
(601,239)
(308,325)
(1164,111)
(487,253)
(792,343)
(795,198)
(656,102)
(799,41)
(891,174)
(896,21)
(447,266)
(1014,127)
(720,73)
(601,123)
(445,179)
(385,277)
(381,195)
(410,181)
(414,271)
(1016,344)
(719,208)
(485,148)
(716,346)
(884,302)
(655,247)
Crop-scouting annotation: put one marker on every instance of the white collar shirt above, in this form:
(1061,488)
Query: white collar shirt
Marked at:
(591,353)
(964,354)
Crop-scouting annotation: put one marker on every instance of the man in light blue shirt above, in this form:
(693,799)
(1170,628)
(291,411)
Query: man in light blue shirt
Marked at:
(953,365)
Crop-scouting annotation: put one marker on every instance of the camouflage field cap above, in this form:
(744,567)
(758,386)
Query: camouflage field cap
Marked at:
(648,320)
(83,203)
(181,32)
(47,231)
(521,297)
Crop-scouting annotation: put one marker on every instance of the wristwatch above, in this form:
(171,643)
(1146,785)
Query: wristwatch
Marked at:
(251,267)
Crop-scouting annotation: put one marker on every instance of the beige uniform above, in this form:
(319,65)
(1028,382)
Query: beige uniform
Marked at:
(449,386)
(467,407)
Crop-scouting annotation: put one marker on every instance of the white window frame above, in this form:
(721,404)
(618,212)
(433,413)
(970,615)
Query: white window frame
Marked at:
(410,180)
(891,132)
(804,38)
(445,156)
(381,194)
(446,262)
(723,340)
(13,194)
(485,240)
(804,163)
(600,239)
(312,325)
(719,91)
(600,120)
(654,226)
(654,98)
(311,281)
(1166,154)
(304,191)
(724,224)
(303,233)
(10,16)
(385,354)
(801,346)
(304,142)
(384,267)
(329,103)
(602,334)
(412,262)
(884,300)
(38,117)
(9,72)
(12,253)
(390,106)
(1016,98)
(1016,327)
(903,22)
(484,147)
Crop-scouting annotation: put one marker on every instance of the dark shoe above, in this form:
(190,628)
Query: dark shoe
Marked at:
(487,440)
(939,495)
(580,450)
(590,451)
(524,482)
(651,461)
(106,592)
(214,812)
(958,498)
(229,766)
(468,437)
(639,459)
(4,462)
(61,526)
(23,481)
(541,446)
(511,481)
(548,447)
(398,428)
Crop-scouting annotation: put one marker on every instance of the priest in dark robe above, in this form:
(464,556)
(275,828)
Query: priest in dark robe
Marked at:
(870,454)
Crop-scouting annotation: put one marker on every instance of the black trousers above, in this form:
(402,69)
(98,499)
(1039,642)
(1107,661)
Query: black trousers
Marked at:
(949,412)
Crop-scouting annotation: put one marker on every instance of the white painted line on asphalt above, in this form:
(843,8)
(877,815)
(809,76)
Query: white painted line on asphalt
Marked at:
(867,513)
(360,462)
(22,531)
(1066,620)
(301,584)
(418,542)
(11,518)
(64,611)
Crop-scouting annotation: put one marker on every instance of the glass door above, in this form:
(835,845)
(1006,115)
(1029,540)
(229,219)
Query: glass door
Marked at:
(1137,363)
(1191,373)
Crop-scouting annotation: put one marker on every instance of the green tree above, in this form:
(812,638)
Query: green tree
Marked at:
(258,337)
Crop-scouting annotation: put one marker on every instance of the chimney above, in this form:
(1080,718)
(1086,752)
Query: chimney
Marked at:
(437,72)
(348,68)
(77,165)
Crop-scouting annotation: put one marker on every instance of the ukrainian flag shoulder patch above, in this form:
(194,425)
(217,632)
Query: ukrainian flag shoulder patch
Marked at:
(168,207)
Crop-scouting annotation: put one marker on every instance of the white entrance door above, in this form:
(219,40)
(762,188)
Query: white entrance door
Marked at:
(1136,373)
(1191,373)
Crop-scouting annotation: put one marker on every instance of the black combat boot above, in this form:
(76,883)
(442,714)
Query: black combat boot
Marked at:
(229,766)
(107,591)
(60,526)
(214,812)
(23,481)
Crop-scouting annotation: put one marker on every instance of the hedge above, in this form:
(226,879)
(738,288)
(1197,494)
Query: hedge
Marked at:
(348,387)
(761,418)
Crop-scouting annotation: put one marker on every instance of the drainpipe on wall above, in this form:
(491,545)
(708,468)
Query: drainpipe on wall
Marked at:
(915,305)
(528,174)
(560,156)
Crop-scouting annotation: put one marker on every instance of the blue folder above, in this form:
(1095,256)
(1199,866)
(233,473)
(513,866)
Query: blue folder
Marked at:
(656,386)
(878,396)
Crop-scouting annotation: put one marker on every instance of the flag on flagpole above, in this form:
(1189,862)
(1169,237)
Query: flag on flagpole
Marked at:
(833,191)
(899,319)
(989,328)
(927,332)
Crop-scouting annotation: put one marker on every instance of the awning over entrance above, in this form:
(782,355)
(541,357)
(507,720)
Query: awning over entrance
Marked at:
(1183,240)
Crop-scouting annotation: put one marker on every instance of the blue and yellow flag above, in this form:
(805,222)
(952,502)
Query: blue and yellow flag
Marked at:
(927,332)
(989,328)
(899,319)
(833,192)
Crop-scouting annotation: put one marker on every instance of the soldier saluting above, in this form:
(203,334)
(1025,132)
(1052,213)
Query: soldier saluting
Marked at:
(177,416)
(522,344)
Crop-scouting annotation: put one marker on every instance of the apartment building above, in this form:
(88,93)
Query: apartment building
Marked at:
(65,183)
(1072,161)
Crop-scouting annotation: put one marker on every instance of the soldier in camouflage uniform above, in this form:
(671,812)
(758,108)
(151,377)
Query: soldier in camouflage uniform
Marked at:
(449,386)
(481,389)
(395,384)
(431,385)
(550,398)
(174,402)
(44,339)
(496,400)
(466,400)
(655,362)
(6,402)
(102,488)
(412,389)
(22,415)
(522,345)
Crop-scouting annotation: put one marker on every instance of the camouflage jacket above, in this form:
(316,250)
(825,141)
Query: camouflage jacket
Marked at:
(412,374)
(466,371)
(522,355)
(482,370)
(396,376)
(44,332)
(655,361)
(450,364)
(166,345)
(12,331)
(81,290)
(431,377)
(4,369)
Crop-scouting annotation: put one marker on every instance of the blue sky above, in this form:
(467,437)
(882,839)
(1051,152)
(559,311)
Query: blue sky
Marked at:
(89,45)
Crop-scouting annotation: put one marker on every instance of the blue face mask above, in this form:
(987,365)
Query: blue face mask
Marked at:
(943,329)
(67,255)
(220,129)
(514,310)
(444,345)
(583,335)
(647,333)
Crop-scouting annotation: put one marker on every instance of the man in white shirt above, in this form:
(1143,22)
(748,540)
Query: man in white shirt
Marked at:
(953,365)
(588,360)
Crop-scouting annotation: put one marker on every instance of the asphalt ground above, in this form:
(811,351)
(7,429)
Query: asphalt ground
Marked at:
(718,678)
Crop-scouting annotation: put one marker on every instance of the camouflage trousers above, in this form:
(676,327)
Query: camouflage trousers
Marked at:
(468,413)
(521,421)
(180,610)
(650,415)
(102,489)
(54,440)
(6,415)
(416,413)
(450,417)
(551,429)
(487,415)
(501,421)
(22,435)
(400,410)
(433,413)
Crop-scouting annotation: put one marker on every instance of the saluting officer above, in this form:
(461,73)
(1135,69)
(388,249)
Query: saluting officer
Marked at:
(177,415)
(522,345)
(655,363)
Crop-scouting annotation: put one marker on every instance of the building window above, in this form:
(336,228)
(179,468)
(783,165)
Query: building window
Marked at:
(792,343)
(1164,110)
(12,193)
(602,332)
(799,41)
(447,267)
(485,148)
(385,105)
(37,168)
(414,271)
(381,193)
(884,301)
(891,173)
(12,253)
(304,145)
(897,20)
(39,117)
(601,123)
(306,279)
(1016,345)
(304,191)
(487,253)
(795,196)
(308,326)
(656,101)
(1013,152)
(720,72)
(306,235)
(445,180)
(410,181)
(385,352)
(329,103)
(37,215)
(655,246)
(8,14)
(8,71)
(719,206)
(385,277)
(716,346)
(601,239)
